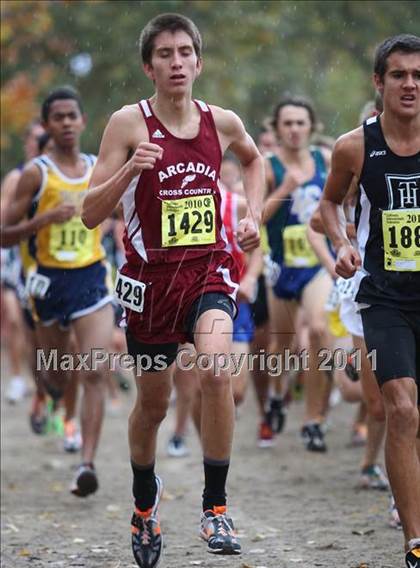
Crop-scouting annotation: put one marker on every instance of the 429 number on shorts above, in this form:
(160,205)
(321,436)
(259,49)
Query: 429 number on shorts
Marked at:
(130,292)
(401,232)
(188,221)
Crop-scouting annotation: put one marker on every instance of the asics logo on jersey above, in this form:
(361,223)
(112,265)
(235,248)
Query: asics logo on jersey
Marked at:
(411,565)
(158,134)
(376,153)
(187,180)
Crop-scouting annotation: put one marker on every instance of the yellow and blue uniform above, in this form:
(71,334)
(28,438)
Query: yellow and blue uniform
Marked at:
(69,257)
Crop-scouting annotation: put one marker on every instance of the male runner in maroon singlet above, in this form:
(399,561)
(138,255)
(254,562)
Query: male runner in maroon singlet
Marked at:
(162,159)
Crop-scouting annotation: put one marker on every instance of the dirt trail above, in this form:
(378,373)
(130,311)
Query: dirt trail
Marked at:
(291,508)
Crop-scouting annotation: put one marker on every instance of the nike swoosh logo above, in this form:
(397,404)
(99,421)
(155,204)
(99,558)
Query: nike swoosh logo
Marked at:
(411,565)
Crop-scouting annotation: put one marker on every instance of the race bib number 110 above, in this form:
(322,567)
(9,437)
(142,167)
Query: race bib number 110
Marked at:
(401,232)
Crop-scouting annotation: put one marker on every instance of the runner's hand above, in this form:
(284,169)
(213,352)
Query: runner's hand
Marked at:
(144,158)
(248,234)
(294,178)
(247,289)
(61,213)
(348,261)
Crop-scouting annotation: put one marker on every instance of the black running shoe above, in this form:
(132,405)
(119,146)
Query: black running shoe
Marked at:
(412,558)
(217,530)
(38,424)
(146,537)
(276,415)
(85,482)
(313,438)
(38,418)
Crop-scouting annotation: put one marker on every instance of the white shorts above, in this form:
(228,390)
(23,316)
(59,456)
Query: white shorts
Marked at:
(350,317)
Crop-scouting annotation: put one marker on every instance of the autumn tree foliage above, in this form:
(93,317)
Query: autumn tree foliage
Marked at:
(254,52)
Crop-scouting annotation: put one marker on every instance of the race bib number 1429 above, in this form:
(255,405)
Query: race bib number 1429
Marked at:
(188,222)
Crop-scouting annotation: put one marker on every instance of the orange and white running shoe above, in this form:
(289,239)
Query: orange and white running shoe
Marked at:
(218,531)
(146,536)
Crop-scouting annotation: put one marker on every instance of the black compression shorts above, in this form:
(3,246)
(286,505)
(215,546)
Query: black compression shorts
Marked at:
(394,336)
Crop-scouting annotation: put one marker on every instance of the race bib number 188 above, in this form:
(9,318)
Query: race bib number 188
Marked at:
(130,292)
(401,232)
(188,222)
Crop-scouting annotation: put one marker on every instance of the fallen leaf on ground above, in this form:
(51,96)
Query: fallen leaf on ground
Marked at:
(363,533)
(258,537)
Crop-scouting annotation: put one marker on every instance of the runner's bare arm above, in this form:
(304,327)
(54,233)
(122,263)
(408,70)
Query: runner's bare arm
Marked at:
(235,138)
(12,235)
(291,181)
(114,169)
(319,244)
(315,222)
(347,159)
(254,267)
(345,164)
(28,184)
(8,187)
(317,225)
(233,135)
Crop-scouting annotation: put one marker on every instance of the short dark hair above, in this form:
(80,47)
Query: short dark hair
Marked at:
(60,94)
(297,102)
(407,43)
(171,23)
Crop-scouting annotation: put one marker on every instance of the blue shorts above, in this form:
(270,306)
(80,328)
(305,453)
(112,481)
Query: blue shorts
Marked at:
(72,293)
(292,281)
(243,324)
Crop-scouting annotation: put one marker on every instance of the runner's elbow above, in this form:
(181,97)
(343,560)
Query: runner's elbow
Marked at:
(89,219)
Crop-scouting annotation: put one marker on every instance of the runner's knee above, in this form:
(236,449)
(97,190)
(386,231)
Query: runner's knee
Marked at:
(152,413)
(318,332)
(402,416)
(214,383)
(376,409)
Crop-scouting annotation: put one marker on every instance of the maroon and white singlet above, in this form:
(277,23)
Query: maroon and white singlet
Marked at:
(175,242)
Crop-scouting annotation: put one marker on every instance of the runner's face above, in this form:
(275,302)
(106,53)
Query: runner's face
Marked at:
(294,127)
(267,142)
(65,123)
(174,65)
(400,87)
